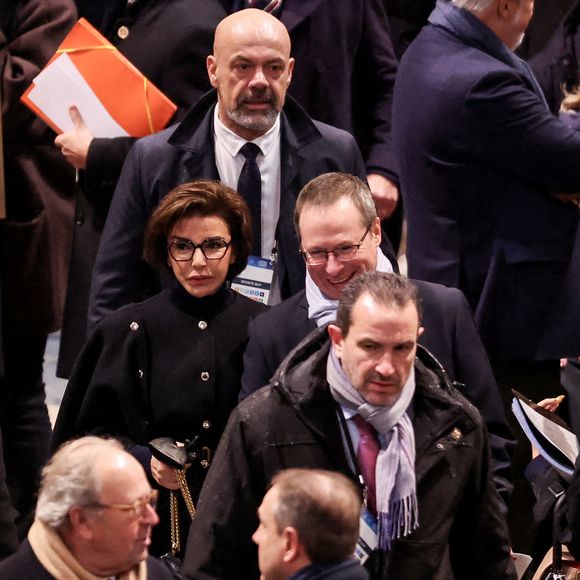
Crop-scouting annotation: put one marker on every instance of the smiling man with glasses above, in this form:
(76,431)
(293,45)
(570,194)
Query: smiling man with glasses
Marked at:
(93,519)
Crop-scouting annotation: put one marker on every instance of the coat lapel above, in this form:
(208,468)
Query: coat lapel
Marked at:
(296,11)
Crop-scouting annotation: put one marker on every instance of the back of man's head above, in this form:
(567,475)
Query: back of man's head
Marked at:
(323,507)
(507,19)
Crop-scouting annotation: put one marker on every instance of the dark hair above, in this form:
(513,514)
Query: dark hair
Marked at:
(323,507)
(387,289)
(204,198)
(328,188)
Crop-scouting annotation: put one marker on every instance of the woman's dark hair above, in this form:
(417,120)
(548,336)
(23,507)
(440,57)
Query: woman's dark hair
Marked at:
(202,198)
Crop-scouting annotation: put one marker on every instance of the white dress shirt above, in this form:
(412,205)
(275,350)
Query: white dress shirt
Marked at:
(229,162)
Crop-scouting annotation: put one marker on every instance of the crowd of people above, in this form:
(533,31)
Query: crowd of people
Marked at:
(254,389)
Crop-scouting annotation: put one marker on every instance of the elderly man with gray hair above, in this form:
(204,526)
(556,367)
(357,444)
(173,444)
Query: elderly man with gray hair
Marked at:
(93,519)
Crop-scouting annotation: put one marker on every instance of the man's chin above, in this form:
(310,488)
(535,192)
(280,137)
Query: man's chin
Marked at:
(259,121)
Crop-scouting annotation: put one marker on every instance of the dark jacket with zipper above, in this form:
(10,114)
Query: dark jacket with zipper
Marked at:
(293,422)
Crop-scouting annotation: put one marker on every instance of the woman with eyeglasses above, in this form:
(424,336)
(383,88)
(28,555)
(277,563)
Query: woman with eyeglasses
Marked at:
(171,366)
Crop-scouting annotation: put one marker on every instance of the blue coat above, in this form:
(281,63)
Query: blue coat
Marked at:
(479,156)
(449,334)
(185,152)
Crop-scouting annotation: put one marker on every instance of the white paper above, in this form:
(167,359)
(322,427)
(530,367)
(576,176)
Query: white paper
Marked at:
(561,438)
(59,86)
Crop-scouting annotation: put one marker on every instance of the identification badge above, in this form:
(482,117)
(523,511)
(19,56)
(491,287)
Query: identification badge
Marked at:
(367,536)
(255,281)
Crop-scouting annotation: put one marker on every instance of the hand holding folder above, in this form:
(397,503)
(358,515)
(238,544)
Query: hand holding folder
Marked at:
(113,97)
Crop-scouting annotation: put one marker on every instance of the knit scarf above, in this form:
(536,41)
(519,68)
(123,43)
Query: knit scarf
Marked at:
(56,558)
(397,510)
(322,309)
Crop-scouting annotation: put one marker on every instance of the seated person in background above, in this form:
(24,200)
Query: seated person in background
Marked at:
(332,213)
(171,366)
(309,524)
(93,519)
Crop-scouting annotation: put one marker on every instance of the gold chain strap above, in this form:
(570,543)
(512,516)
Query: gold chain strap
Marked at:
(174,513)
(174,510)
(185,492)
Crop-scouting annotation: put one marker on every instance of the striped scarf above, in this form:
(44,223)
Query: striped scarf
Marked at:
(397,510)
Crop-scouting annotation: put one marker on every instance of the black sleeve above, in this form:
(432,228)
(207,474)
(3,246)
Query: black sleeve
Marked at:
(8,538)
(105,393)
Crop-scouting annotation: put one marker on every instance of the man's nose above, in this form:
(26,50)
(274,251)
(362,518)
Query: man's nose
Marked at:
(259,78)
(385,366)
(150,516)
(333,265)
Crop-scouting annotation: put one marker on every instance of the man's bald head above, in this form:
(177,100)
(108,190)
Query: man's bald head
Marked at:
(251,25)
(251,69)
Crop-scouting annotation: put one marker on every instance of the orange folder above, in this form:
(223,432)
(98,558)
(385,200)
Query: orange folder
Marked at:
(137,105)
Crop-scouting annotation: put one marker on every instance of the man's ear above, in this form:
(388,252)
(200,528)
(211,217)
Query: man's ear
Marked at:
(290,70)
(336,338)
(292,547)
(211,66)
(80,522)
(507,9)
(376,231)
(420,331)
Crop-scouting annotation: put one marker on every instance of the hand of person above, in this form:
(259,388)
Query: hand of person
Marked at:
(385,193)
(551,404)
(164,474)
(74,145)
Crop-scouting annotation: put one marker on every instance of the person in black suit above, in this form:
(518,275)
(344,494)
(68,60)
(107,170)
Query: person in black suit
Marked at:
(248,106)
(326,218)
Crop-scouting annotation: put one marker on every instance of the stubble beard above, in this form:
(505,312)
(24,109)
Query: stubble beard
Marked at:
(259,121)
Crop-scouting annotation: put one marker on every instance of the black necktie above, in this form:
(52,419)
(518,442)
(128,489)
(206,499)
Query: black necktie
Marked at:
(250,188)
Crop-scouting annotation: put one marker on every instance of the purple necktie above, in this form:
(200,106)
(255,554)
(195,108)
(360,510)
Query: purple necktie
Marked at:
(367,453)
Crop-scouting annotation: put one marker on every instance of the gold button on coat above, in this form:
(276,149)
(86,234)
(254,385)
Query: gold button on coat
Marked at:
(123,32)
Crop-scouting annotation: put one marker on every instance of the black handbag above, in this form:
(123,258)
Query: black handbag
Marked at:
(167,451)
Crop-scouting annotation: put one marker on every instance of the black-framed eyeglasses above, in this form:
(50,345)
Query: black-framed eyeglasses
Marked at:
(344,253)
(212,249)
(138,507)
